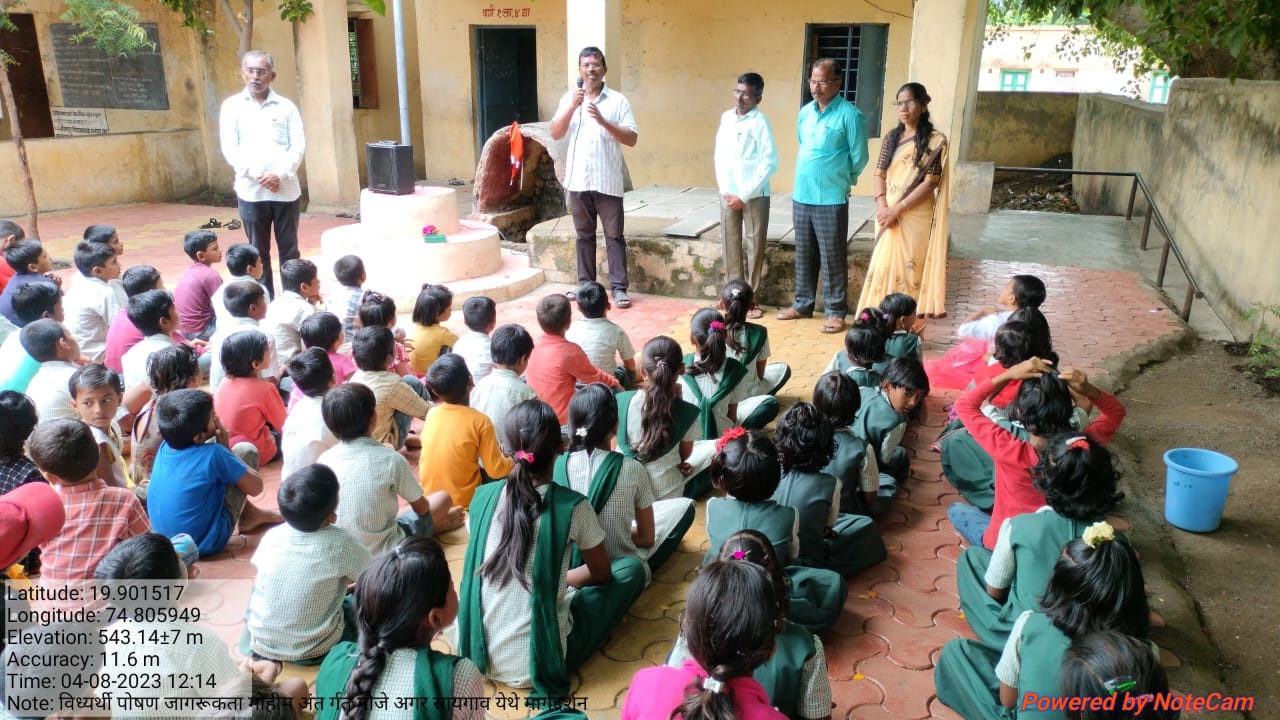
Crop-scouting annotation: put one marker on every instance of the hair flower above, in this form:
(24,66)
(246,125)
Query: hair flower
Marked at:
(716,326)
(1098,533)
(1078,442)
(712,685)
(429,230)
(523,456)
(733,292)
(580,432)
(739,554)
(729,436)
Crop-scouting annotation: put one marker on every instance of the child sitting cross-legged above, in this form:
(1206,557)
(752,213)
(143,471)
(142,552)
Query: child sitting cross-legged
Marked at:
(196,285)
(457,439)
(557,365)
(244,262)
(374,478)
(295,303)
(374,349)
(305,436)
(97,397)
(31,264)
(748,342)
(155,315)
(248,406)
(502,389)
(843,542)
(863,351)
(324,330)
(199,484)
(247,302)
(404,599)
(349,272)
(299,607)
(49,344)
(93,299)
(720,386)
(605,343)
(123,334)
(863,489)
(431,339)
(173,368)
(902,337)
(882,420)
(481,316)
(37,301)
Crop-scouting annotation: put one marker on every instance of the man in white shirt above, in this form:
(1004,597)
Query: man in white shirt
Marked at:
(262,140)
(745,159)
(597,130)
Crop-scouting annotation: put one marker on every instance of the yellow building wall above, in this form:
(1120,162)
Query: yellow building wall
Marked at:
(383,123)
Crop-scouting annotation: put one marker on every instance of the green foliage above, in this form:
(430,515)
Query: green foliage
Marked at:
(195,13)
(114,27)
(1264,350)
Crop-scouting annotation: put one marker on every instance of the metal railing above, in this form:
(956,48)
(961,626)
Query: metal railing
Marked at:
(1153,211)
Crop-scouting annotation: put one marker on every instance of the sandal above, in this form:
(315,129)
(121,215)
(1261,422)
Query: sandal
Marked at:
(790,313)
(755,313)
(233,225)
(213,223)
(834,325)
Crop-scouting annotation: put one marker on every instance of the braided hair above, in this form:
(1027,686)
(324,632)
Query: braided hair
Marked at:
(662,360)
(923,130)
(735,300)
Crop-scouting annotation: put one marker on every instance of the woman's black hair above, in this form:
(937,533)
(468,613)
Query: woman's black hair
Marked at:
(753,546)
(593,417)
(907,372)
(661,360)
(1014,343)
(896,306)
(747,467)
(394,595)
(172,368)
(1028,291)
(923,130)
(730,622)
(806,440)
(19,415)
(1043,406)
(320,330)
(708,331)
(432,301)
(241,350)
(864,344)
(1103,665)
(1097,588)
(737,299)
(149,556)
(532,430)
(1042,340)
(837,398)
(1077,476)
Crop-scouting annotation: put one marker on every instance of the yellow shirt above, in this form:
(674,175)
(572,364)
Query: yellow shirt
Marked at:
(455,440)
(428,342)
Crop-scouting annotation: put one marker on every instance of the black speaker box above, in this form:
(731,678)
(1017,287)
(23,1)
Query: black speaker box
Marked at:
(390,167)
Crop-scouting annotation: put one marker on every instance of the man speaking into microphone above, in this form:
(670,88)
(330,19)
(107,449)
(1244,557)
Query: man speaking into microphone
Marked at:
(598,122)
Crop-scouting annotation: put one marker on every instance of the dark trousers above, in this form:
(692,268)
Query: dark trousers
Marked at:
(822,236)
(258,218)
(586,207)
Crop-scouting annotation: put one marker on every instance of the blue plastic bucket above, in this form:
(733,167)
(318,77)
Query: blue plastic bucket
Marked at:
(1196,488)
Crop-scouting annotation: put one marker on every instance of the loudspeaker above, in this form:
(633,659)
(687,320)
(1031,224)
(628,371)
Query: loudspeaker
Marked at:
(390,167)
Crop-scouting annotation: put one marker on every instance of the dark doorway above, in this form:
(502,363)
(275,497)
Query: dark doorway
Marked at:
(26,74)
(506,79)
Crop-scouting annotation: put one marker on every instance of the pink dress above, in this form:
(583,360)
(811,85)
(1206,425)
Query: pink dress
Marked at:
(657,691)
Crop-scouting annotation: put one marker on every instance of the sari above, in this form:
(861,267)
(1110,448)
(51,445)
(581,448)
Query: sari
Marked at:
(911,257)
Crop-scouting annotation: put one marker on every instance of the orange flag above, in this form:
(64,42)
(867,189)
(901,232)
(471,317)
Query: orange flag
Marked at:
(517,152)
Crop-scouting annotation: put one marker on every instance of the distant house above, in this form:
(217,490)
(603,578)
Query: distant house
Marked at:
(1027,59)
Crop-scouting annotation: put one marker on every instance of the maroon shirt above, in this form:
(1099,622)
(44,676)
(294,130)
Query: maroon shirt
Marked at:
(193,296)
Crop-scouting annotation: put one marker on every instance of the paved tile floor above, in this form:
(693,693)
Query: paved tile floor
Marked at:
(880,653)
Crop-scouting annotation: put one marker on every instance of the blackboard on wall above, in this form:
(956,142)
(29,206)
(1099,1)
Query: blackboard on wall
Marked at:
(91,79)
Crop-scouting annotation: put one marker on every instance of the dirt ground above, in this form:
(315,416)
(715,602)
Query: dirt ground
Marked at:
(1202,399)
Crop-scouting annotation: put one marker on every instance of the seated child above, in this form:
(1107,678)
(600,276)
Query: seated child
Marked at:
(731,627)
(904,329)
(31,264)
(324,330)
(481,316)
(557,365)
(92,303)
(746,467)
(374,349)
(10,233)
(521,531)
(1078,480)
(199,487)
(123,335)
(842,542)
(795,676)
(173,368)
(863,350)
(305,436)
(247,303)
(349,270)
(661,430)
(955,368)
(104,235)
(748,342)
(404,599)
(456,439)
(378,310)
(306,558)
(36,301)
(155,314)
(718,384)
(97,516)
(301,290)
(249,407)
(97,398)
(502,389)
(374,477)
(431,339)
(49,344)
(863,490)
(605,343)
(1112,664)
(244,262)
(17,420)
(196,285)
(882,420)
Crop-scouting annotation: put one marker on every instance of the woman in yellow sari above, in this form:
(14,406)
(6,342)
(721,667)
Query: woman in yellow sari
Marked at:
(910,254)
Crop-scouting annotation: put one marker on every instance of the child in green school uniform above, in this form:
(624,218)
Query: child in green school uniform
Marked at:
(864,490)
(747,342)
(882,420)
(718,384)
(902,328)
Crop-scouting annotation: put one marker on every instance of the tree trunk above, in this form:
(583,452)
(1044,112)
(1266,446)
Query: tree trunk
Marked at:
(11,107)
(246,29)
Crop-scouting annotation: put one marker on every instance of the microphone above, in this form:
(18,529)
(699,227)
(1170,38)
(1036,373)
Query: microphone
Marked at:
(579,83)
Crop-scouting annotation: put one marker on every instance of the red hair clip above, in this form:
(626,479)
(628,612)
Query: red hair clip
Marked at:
(1078,443)
(716,326)
(729,435)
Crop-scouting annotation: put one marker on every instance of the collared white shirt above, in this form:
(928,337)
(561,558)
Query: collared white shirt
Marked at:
(134,361)
(496,394)
(238,324)
(91,304)
(221,315)
(745,154)
(594,159)
(284,315)
(373,478)
(262,137)
(604,342)
(48,390)
(305,436)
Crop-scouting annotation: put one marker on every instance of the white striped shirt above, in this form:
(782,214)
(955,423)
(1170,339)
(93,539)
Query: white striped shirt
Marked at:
(745,154)
(262,137)
(594,159)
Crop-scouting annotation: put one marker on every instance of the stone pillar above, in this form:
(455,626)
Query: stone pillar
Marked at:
(324,81)
(946,54)
(598,23)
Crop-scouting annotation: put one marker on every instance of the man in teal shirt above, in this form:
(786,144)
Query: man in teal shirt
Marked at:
(833,151)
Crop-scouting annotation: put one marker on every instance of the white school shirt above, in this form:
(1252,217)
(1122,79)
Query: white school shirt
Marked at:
(134,361)
(221,314)
(220,335)
(745,154)
(262,137)
(594,158)
(284,315)
(474,349)
(496,394)
(305,436)
(48,390)
(91,304)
